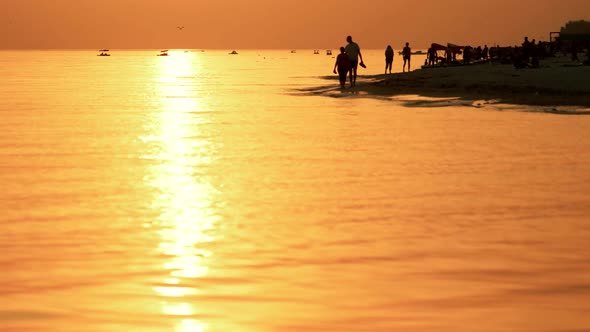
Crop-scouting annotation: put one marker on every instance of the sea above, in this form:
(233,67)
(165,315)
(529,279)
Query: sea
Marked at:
(205,191)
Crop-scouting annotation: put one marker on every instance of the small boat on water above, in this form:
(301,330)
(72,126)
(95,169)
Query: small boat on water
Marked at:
(233,52)
(328,52)
(163,53)
(103,53)
(413,53)
(293,51)
(316,51)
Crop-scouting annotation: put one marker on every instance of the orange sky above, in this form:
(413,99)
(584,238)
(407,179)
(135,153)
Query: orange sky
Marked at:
(288,24)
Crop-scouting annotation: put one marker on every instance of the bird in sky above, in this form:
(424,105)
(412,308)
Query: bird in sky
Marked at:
(180,28)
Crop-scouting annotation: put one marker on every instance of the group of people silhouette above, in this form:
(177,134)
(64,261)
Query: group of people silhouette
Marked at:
(406,55)
(526,55)
(347,61)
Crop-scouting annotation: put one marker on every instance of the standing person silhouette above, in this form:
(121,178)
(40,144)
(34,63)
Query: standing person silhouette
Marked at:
(343,65)
(432,56)
(526,49)
(388,58)
(407,54)
(485,53)
(354,53)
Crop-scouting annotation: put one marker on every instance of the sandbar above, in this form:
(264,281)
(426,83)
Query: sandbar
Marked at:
(557,82)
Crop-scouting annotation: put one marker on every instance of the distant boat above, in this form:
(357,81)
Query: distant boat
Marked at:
(328,52)
(413,53)
(233,52)
(316,51)
(103,53)
(163,53)
(293,51)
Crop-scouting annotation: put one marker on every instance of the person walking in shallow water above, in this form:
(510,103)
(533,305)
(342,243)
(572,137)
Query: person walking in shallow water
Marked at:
(388,58)
(407,54)
(354,53)
(343,65)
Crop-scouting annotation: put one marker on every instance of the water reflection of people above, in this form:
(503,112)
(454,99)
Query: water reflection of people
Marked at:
(343,66)
(388,58)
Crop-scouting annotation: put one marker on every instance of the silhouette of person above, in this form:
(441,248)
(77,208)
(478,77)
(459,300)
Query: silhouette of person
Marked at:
(343,65)
(354,53)
(467,55)
(388,58)
(534,54)
(432,57)
(407,54)
(478,52)
(526,49)
(449,55)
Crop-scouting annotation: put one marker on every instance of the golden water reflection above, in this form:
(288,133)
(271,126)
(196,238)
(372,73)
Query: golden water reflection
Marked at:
(185,200)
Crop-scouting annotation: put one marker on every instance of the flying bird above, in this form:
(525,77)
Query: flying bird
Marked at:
(180,28)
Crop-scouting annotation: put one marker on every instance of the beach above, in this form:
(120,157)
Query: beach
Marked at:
(558,82)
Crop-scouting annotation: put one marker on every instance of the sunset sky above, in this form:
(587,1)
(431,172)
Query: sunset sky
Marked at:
(288,24)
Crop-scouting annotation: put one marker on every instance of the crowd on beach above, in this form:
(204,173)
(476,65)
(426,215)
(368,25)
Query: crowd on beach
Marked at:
(527,55)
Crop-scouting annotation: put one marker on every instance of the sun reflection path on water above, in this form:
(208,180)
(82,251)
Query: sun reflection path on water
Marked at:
(185,200)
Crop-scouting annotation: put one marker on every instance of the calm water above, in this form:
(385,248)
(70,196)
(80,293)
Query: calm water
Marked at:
(197,193)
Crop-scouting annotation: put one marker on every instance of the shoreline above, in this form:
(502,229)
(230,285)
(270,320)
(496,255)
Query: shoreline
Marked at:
(556,83)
